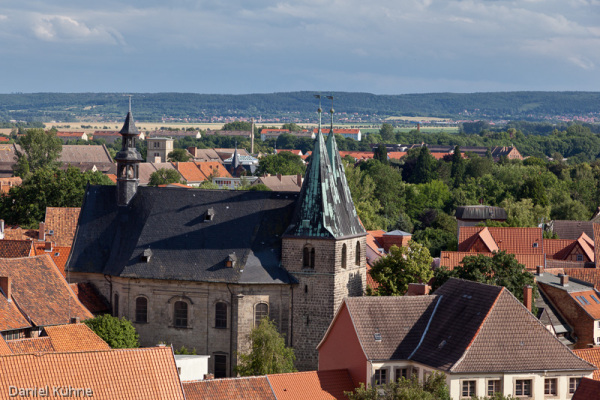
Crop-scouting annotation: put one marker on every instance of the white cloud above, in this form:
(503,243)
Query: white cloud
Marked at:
(59,28)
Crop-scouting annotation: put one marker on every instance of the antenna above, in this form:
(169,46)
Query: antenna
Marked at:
(320,110)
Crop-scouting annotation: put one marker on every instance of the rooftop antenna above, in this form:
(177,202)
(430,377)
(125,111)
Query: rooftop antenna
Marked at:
(331,112)
(319,110)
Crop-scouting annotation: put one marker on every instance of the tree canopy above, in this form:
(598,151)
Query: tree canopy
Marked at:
(119,333)
(164,176)
(284,163)
(434,388)
(39,149)
(178,155)
(268,354)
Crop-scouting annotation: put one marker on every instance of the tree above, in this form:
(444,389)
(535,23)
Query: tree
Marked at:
(380,154)
(502,269)
(424,167)
(284,163)
(178,155)
(387,133)
(25,205)
(403,265)
(292,127)
(434,388)
(237,126)
(164,176)
(39,150)
(457,171)
(119,333)
(268,354)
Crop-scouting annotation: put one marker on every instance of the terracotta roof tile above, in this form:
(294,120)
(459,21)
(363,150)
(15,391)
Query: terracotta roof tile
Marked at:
(90,297)
(358,155)
(511,240)
(63,222)
(31,345)
(147,373)
(17,233)
(592,356)
(41,292)
(556,248)
(11,317)
(452,259)
(190,172)
(59,255)
(15,248)
(314,385)
(4,349)
(396,155)
(75,337)
(214,168)
(596,236)
(586,301)
(588,389)
(248,388)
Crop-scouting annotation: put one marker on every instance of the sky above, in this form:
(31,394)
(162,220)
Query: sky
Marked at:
(266,46)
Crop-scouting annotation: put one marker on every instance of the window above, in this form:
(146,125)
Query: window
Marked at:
(550,386)
(579,257)
(468,389)
(380,377)
(344,255)
(220,366)
(523,387)
(308,257)
(116,305)
(493,386)
(401,373)
(260,311)
(595,298)
(357,254)
(180,314)
(156,144)
(573,383)
(221,315)
(141,309)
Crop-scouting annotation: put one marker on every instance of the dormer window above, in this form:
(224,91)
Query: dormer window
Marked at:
(209,215)
(146,255)
(231,260)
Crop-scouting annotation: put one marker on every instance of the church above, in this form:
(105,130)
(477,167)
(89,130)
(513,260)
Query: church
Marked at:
(201,268)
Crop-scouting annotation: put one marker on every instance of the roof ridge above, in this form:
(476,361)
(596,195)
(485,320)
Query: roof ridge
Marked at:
(131,349)
(439,300)
(502,289)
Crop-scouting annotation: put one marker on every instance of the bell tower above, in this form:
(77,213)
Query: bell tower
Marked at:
(128,160)
(323,248)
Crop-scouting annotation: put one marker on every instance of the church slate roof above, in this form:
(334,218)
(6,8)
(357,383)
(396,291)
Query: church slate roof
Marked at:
(171,222)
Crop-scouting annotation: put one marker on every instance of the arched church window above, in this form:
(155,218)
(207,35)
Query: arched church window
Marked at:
(141,309)
(308,257)
(344,255)
(260,311)
(357,254)
(180,314)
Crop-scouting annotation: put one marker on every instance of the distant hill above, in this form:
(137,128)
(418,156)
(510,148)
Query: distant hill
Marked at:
(200,107)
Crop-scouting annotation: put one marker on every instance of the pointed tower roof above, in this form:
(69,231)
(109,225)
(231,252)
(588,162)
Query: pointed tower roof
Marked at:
(324,208)
(129,127)
(235,162)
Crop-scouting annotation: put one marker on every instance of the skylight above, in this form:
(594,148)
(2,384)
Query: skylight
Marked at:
(377,337)
(595,298)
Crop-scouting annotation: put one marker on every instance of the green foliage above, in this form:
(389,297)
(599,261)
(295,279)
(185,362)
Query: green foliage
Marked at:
(292,127)
(259,187)
(425,166)
(25,205)
(502,269)
(436,240)
(403,265)
(178,155)
(380,154)
(238,126)
(164,176)
(387,133)
(185,351)
(457,172)
(284,163)
(39,149)
(268,354)
(208,185)
(434,388)
(119,333)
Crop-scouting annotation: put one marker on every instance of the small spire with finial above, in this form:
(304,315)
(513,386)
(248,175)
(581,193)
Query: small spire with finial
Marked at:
(331,112)
(319,110)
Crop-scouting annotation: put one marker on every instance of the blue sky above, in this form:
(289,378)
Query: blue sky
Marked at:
(263,46)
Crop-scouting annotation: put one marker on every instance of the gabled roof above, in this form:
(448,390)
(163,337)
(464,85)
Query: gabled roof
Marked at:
(567,229)
(146,373)
(592,356)
(465,327)
(480,213)
(588,389)
(75,337)
(62,221)
(247,388)
(452,259)
(215,168)
(171,222)
(15,248)
(59,254)
(396,155)
(190,172)
(314,385)
(74,154)
(18,233)
(282,183)
(31,345)
(11,316)
(4,349)
(511,240)
(40,291)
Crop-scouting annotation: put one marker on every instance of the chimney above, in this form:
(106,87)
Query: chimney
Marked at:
(209,376)
(6,286)
(75,320)
(48,246)
(564,279)
(42,232)
(527,296)
(1,229)
(418,289)
(279,177)
(299,180)
(540,270)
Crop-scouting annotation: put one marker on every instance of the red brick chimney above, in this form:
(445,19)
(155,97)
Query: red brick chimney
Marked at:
(527,296)
(299,180)
(279,177)
(564,279)
(418,289)
(539,270)
(42,231)
(6,286)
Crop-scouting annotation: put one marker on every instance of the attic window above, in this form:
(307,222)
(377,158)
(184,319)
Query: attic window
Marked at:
(535,245)
(377,337)
(210,214)
(146,255)
(56,254)
(51,232)
(231,259)
(594,298)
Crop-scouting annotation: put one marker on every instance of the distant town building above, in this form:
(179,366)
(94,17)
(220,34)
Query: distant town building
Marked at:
(158,149)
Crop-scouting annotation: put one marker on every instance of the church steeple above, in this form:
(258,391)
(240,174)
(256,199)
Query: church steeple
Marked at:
(128,160)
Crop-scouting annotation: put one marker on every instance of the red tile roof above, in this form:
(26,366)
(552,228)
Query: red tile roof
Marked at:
(16,248)
(63,222)
(90,297)
(146,373)
(4,139)
(40,291)
(452,259)
(214,168)
(314,385)
(358,155)
(69,134)
(592,356)
(248,388)
(17,233)
(396,155)
(588,389)
(190,172)
(587,302)
(75,337)
(31,345)
(511,240)
(59,255)
(4,349)
(338,131)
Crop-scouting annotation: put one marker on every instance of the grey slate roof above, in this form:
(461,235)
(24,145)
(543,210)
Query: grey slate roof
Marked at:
(170,221)
(325,202)
(481,213)
(465,327)
(566,229)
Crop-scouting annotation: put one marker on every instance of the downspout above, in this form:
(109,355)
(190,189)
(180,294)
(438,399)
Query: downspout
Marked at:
(230,333)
